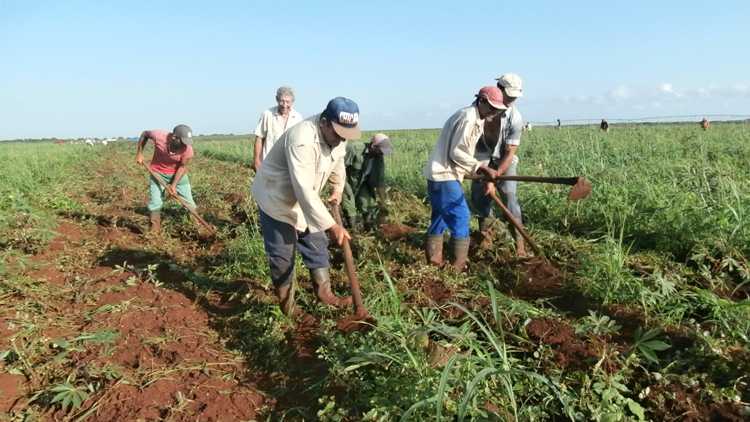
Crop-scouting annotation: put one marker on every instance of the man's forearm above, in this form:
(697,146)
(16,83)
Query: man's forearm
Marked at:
(181,170)
(505,164)
(258,148)
(141,143)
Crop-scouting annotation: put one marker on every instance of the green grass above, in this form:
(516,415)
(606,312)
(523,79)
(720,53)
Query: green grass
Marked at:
(664,238)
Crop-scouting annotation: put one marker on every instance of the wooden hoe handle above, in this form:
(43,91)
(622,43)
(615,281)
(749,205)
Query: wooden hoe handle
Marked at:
(359,308)
(180,200)
(515,223)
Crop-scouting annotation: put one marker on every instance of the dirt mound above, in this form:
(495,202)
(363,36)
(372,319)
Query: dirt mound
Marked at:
(665,401)
(570,351)
(538,279)
(436,291)
(396,231)
(11,390)
(184,398)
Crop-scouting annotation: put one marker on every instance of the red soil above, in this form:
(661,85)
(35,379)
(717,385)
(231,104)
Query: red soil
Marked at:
(175,365)
(396,231)
(570,351)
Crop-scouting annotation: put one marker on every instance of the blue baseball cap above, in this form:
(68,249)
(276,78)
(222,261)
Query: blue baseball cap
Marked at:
(343,114)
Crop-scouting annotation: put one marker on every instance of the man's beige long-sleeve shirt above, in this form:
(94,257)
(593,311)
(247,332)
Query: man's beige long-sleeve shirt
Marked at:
(453,155)
(288,185)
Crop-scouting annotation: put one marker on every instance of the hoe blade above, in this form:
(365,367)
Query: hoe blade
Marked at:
(581,190)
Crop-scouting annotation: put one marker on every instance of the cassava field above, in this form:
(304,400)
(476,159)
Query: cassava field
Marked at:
(642,313)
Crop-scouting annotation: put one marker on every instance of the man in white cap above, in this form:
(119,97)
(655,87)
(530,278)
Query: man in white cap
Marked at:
(452,158)
(287,189)
(273,122)
(364,202)
(497,149)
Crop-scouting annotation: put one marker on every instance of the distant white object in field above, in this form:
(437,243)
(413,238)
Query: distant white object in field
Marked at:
(90,142)
(527,127)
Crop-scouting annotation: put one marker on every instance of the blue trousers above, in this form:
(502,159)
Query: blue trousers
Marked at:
(281,240)
(449,209)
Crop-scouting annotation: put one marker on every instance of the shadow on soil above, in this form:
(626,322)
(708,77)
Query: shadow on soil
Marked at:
(284,365)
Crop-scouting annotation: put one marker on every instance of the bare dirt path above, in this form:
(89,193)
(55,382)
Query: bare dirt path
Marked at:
(126,321)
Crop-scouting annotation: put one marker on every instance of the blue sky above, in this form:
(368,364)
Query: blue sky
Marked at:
(93,68)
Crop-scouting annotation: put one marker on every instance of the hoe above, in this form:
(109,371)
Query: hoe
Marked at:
(361,320)
(581,188)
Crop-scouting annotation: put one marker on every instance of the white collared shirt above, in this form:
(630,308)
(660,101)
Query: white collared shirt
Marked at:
(453,155)
(272,125)
(289,183)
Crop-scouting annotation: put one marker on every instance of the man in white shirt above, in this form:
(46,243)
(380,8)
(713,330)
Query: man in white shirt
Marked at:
(287,189)
(497,148)
(452,158)
(273,123)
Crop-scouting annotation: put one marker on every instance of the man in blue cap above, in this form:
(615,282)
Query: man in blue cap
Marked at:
(287,189)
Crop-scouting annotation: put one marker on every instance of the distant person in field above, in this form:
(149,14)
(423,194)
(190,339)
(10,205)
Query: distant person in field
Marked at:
(273,122)
(287,189)
(451,159)
(497,148)
(604,125)
(364,202)
(173,152)
(528,127)
(705,124)
(559,124)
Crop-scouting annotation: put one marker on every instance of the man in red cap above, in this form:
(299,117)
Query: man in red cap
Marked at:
(452,158)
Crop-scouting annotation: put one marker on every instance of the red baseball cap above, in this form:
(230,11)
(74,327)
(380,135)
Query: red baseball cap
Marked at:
(494,96)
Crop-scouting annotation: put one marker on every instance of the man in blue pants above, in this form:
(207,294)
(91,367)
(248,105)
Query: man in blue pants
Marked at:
(452,158)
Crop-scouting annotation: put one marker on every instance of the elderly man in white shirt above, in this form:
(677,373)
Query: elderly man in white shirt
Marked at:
(273,123)
(287,189)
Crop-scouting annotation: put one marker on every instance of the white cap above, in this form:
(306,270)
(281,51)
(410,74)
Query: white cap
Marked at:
(511,84)
(382,142)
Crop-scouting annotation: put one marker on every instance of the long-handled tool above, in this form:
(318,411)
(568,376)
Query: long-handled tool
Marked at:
(581,186)
(361,317)
(517,224)
(182,202)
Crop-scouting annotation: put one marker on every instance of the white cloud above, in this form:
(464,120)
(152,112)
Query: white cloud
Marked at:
(741,89)
(620,93)
(666,88)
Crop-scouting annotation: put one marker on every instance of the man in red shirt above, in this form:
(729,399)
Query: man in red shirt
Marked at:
(172,154)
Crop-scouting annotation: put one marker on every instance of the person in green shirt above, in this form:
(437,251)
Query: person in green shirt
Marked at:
(364,198)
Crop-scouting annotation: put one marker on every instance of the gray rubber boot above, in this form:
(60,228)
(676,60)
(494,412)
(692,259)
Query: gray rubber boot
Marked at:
(155,219)
(433,249)
(322,280)
(460,253)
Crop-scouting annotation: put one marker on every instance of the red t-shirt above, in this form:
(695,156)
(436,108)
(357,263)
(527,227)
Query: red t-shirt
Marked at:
(165,161)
